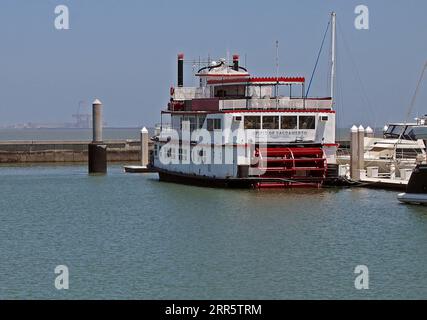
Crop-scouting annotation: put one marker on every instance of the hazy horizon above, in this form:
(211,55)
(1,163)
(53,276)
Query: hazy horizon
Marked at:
(124,53)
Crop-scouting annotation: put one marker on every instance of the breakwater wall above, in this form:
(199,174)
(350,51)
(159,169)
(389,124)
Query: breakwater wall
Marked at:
(74,151)
(66,151)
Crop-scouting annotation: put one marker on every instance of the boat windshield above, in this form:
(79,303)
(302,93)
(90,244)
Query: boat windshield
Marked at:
(394,131)
(416,133)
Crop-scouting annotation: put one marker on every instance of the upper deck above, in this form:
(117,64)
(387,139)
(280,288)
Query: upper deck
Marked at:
(230,87)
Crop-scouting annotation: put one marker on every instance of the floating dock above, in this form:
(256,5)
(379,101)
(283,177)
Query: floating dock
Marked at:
(139,169)
(385,183)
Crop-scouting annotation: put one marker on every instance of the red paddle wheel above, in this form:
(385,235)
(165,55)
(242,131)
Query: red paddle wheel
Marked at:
(290,167)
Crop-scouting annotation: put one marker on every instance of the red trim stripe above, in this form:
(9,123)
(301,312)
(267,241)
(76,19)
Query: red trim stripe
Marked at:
(243,77)
(275,110)
(252,111)
(331,145)
(255,80)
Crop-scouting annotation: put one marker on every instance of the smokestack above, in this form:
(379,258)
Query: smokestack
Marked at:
(180,70)
(236,62)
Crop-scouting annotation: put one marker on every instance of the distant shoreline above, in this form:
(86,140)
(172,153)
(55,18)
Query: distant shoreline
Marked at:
(67,128)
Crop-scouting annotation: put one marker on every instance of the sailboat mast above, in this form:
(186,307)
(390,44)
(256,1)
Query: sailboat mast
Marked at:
(333,54)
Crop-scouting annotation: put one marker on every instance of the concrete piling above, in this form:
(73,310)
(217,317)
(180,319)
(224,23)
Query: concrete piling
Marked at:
(97,150)
(97,120)
(357,151)
(354,146)
(145,166)
(361,149)
(144,147)
(369,132)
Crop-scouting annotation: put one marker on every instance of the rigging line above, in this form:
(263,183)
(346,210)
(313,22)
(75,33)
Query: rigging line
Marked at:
(317,60)
(412,104)
(357,73)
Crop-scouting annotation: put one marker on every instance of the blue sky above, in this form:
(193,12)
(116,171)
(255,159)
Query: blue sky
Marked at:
(124,53)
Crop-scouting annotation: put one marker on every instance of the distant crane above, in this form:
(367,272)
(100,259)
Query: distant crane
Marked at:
(83,120)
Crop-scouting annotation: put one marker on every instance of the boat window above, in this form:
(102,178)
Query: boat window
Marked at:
(201,121)
(418,133)
(182,154)
(289,122)
(237,91)
(192,121)
(270,122)
(307,122)
(389,129)
(252,122)
(397,130)
(176,122)
(193,124)
(260,91)
(214,124)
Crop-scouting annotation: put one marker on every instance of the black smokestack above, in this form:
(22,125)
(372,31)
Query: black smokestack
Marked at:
(236,62)
(180,70)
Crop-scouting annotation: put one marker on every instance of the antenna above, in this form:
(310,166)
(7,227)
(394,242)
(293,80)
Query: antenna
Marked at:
(277,60)
(277,73)
(228,58)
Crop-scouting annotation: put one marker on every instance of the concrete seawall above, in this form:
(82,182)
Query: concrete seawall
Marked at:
(65,151)
(74,151)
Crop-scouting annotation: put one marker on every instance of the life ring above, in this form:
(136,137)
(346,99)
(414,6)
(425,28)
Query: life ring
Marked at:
(172,91)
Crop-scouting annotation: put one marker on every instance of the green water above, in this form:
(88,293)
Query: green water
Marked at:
(131,236)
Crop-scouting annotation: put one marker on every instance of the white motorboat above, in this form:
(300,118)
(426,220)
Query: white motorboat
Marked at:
(416,191)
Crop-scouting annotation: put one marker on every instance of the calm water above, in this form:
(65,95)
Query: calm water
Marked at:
(130,236)
(67,134)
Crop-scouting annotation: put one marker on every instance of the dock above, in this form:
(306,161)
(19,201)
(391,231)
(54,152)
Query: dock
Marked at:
(138,169)
(385,183)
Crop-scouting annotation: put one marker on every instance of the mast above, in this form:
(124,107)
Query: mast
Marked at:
(333,53)
(277,74)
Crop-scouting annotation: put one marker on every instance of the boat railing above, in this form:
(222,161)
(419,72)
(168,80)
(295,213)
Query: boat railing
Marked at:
(272,103)
(189,93)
